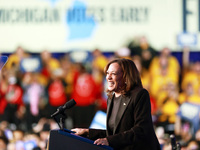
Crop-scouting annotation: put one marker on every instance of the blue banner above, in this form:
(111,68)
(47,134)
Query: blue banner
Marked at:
(3,60)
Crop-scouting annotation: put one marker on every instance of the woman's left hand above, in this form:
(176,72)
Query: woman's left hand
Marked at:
(102,141)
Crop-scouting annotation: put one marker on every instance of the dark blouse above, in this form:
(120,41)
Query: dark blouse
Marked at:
(115,108)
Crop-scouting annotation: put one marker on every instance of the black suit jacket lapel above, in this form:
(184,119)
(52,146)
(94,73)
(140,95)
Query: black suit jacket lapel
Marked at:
(109,106)
(123,105)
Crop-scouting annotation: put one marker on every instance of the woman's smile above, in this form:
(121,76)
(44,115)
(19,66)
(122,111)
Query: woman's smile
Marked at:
(114,77)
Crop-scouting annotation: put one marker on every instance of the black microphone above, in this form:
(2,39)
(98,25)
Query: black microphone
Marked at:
(61,109)
(173,142)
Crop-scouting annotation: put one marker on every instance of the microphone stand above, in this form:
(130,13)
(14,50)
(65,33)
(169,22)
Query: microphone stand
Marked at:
(175,145)
(60,112)
(61,121)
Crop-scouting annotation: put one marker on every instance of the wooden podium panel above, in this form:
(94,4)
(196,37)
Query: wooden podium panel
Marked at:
(64,140)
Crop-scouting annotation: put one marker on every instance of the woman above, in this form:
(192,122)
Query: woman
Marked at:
(129,122)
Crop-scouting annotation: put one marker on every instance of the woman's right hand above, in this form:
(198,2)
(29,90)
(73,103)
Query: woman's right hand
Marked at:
(80,131)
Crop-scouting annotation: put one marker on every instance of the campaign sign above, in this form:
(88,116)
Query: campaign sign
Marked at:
(3,60)
(187,39)
(99,120)
(30,64)
(190,112)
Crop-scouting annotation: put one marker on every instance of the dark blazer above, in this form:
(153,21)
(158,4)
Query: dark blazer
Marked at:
(133,127)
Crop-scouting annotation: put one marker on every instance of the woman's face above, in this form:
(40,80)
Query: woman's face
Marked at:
(114,77)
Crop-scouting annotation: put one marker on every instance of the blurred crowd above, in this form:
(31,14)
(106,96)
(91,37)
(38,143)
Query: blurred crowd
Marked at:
(33,86)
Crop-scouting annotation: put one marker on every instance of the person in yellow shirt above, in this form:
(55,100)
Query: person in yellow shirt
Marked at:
(168,104)
(190,84)
(145,76)
(15,58)
(172,62)
(161,74)
(192,76)
(49,65)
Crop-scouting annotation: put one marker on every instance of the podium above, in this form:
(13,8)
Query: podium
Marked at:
(66,140)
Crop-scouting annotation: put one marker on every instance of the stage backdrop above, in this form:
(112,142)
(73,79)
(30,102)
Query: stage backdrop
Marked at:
(63,25)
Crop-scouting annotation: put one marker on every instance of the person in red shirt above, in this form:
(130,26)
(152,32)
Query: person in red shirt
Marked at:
(56,90)
(3,90)
(85,93)
(14,108)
